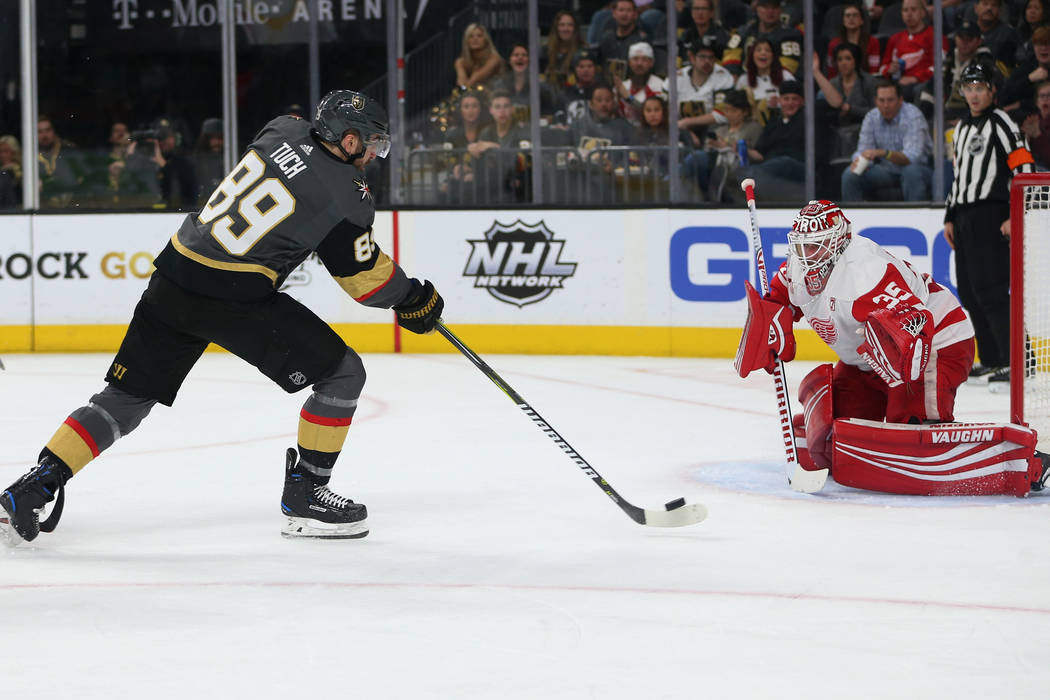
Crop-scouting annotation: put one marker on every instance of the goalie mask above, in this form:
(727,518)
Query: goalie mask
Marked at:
(818,237)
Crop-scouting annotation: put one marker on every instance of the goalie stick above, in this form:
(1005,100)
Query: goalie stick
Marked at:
(676,513)
(800,479)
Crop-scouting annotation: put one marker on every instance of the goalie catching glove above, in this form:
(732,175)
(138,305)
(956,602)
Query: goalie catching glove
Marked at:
(897,343)
(767,335)
(421,308)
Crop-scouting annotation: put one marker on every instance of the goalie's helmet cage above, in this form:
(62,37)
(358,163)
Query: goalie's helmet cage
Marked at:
(343,110)
(818,237)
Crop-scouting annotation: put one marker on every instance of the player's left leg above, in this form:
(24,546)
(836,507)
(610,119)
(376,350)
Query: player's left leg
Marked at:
(293,347)
(150,366)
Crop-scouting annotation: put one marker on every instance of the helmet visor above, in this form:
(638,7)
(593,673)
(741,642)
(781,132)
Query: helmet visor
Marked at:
(379,143)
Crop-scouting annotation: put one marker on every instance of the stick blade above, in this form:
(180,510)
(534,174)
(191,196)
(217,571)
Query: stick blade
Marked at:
(688,514)
(806,481)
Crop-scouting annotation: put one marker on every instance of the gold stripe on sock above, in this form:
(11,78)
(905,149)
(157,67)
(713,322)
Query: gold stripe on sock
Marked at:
(321,438)
(70,448)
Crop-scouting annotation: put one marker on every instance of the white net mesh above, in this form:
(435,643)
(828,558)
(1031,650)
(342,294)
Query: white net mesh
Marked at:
(1036,276)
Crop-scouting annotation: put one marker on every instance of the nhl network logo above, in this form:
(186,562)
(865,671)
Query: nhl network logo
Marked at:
(518,263)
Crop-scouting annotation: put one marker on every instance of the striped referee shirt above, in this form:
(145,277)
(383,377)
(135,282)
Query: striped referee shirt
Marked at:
(988,150)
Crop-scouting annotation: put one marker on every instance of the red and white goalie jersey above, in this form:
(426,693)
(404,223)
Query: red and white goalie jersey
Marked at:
(864,278)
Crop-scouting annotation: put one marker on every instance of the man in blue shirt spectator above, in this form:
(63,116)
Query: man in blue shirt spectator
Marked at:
(893,151)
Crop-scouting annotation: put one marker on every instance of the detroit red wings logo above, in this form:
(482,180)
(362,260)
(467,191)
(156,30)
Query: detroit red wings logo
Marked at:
(825,329)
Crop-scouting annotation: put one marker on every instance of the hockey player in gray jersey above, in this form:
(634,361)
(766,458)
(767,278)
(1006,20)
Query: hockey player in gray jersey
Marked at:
(299,189)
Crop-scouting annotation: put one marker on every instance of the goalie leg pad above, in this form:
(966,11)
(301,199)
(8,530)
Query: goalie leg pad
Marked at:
(798,431)
(942,459)
(815,395)
(767,335)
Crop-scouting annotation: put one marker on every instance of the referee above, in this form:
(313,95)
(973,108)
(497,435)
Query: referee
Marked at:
(988,150)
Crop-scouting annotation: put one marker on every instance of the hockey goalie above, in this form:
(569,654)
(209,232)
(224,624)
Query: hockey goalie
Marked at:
(882,418)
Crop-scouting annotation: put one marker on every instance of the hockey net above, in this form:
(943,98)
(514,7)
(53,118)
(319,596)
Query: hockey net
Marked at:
(1030,303)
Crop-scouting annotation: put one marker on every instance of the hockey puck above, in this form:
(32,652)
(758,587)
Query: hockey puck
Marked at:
(676,503)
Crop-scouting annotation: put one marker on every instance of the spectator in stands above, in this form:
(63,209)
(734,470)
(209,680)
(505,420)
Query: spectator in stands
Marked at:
(469,121)
(770,26)
(654,132)
(61,167)
(465,131)
(640,84)
(1035,15)
(498,164)
(1000,38)
(478,61)
(515,81)
(763,77)
(10,172)
(967,49)
(1019,86)
(208,161)
(1036,126)
(702,25)
(625,32)
(178,180)
(908,57)
(699,86)
(893,152)
(576,96)
(850,95)
(135,181)
(118,141)
(855,29)
(602,120)
(779,156)
(649,19)
(721,154)
(563,41)
(11,158)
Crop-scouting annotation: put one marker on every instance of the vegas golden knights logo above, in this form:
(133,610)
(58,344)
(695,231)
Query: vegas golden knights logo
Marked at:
(357,102)
(119,370)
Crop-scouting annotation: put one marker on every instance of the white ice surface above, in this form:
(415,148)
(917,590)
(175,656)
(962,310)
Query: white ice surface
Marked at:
(494,568)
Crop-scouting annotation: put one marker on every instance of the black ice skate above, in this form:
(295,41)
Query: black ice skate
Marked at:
(24,501)
(312,510)
(1044,479)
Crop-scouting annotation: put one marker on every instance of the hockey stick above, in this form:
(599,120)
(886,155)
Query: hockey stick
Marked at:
(800,479)
(676,513)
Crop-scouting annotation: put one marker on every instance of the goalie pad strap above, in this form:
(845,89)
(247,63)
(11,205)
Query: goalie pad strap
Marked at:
(815,395)
(942,459)
(767,335)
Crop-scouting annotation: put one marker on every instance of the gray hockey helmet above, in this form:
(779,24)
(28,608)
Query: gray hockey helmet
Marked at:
(342,110)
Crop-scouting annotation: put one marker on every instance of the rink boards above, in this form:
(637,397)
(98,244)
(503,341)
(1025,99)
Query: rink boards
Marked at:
(620,282)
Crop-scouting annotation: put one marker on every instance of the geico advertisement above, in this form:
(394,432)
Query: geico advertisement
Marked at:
(92,269)
(709,255)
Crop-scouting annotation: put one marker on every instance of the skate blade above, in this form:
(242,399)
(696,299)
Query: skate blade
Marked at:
(308,527)
(8,535)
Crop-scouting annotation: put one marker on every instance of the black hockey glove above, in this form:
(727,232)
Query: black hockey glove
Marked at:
(421,309)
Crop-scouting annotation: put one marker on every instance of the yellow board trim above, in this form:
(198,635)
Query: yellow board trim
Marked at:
(219,265)
(661,341)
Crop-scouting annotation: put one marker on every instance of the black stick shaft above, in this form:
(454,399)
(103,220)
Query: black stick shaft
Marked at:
(634,512)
